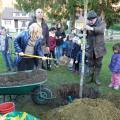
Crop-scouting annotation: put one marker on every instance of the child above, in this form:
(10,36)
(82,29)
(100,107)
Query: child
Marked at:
(75,50)
(79,60)
(64,47)
(52,41)
(4,49)
(69,45)
(115,67)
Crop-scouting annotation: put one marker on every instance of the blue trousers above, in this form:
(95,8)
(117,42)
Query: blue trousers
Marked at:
(7,60)
(58,51)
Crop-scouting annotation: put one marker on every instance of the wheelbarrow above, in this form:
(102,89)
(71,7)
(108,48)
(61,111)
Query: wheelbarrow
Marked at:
(26,82)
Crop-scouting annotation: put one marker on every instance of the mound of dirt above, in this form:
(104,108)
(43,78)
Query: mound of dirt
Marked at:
(85,109)
(114,98)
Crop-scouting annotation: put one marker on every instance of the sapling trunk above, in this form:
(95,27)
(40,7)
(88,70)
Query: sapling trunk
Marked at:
(83,50)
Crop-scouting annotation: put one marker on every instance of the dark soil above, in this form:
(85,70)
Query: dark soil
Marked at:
(22,78)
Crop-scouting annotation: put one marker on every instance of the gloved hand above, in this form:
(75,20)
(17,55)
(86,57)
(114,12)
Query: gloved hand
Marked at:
(21,53)
(44,58)
(87,27)
(76,61)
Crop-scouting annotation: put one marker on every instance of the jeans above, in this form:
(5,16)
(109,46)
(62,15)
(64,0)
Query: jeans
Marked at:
(8,60)
(58,51)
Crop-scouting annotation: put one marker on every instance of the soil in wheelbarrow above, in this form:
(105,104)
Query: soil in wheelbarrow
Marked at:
(85,109)
(22,78)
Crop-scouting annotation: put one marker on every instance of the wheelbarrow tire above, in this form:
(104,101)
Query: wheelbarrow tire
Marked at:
(41,96)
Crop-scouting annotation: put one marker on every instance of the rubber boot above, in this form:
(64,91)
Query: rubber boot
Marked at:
(89,75)
(96,76)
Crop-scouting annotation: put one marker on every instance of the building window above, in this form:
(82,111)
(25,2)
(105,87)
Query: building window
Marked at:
(23,24)
(7,22)
(23,14)
(17,14)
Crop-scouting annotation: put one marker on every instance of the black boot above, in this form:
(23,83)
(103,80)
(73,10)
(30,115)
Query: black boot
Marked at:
(43,66)
(48,67)
(89,75)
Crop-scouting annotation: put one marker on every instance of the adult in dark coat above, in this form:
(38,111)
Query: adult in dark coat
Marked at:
(96,46)
(39,18)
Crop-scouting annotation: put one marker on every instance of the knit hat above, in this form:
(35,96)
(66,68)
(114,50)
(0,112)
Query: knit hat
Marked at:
(91,15)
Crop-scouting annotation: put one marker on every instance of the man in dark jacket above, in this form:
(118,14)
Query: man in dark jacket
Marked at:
(39,18)
(96,46)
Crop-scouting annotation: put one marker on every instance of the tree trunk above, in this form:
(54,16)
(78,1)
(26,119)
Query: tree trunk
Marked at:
(102,14)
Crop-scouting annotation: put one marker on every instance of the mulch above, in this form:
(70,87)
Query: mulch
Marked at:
(85,109)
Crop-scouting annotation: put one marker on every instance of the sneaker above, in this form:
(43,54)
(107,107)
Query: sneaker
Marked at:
(116,88)
(73,71)
(98,82)
(110,85)
(56,65)
(77,72)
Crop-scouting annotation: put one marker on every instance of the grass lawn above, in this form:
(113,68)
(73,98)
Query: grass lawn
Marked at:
(115,27)
(2,66)
(61,75)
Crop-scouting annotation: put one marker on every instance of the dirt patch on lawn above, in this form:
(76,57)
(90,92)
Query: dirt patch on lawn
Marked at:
(85,109)
(22,78)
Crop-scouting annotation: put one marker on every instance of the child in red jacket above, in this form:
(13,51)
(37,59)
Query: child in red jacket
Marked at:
(52,42)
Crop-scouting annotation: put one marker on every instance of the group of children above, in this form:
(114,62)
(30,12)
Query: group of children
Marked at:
(72,49)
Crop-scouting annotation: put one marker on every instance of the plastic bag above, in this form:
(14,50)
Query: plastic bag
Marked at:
(18,116)
(63,60)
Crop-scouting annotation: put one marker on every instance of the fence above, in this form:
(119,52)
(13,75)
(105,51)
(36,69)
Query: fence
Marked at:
(111,35)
